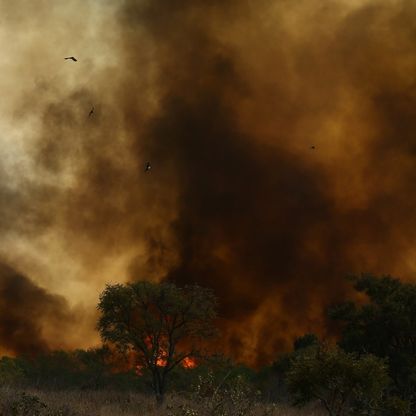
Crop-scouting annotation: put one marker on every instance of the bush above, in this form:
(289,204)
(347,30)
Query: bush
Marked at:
(25,405)
(343,382)
(11,372)
(231,395)
(385,326)
(395,406)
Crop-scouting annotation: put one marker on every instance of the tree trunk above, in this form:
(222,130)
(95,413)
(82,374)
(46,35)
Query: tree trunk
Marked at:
(160,398)
(158,388)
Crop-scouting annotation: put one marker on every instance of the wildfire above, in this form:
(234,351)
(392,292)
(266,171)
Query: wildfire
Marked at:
(139,370)
(189,363)
(161,360)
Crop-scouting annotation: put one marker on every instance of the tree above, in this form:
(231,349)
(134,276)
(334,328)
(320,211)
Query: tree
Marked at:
(343,382)
(385,325)
(305,341)
(159,322)
(11,372)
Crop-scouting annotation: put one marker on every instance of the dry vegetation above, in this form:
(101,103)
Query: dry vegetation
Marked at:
(106,403)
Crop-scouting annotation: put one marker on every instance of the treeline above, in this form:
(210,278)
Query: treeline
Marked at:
(371,370)
(96,368)
(105,368)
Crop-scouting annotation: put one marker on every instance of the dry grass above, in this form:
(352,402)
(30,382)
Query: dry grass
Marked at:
(107,403)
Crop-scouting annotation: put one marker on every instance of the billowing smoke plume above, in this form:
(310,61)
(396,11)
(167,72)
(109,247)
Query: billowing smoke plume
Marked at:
(282,141)
(31,319)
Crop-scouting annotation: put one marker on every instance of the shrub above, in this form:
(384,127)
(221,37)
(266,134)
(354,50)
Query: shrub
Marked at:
(343,382)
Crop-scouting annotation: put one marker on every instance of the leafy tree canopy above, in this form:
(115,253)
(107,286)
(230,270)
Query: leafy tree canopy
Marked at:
(385,325)
(161,323)
(343,382)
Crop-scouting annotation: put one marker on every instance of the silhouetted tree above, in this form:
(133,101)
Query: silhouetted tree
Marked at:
(343,382)
(305,341)
(159,322)
(385,325)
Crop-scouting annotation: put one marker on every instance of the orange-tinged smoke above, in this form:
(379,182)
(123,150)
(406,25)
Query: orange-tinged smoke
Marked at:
(282,141)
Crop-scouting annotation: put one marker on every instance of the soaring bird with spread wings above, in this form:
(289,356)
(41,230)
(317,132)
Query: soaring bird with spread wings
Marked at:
(72,58)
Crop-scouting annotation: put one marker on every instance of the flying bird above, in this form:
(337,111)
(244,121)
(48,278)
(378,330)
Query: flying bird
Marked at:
(72,58)
(148,167)
(91,112)
(312,147)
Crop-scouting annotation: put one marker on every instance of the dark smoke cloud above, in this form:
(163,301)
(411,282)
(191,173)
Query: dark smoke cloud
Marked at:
(225,98)
(255,221)
(29,315)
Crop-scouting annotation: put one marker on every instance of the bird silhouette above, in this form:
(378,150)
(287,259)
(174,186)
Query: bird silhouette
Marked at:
(72,58)
(313,147)
(147,167)
(91,112)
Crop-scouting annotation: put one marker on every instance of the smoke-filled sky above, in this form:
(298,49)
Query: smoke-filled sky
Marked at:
(226,98)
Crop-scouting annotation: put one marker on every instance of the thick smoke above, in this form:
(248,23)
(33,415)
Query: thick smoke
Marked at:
(282,140)
(31,319)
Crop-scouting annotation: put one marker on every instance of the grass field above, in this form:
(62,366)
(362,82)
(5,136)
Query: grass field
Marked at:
(106,403)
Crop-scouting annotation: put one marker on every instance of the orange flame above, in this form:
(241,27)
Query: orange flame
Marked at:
(161,361)
(189,363)
(139,370)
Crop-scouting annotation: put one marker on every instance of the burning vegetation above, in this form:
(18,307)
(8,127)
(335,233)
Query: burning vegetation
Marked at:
(162,325)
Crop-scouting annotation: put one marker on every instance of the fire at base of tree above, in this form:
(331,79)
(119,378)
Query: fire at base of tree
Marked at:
(162,325)
(188,363)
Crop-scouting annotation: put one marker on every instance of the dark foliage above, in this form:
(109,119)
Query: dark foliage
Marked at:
(384,326)
(92,369)
(161,324)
